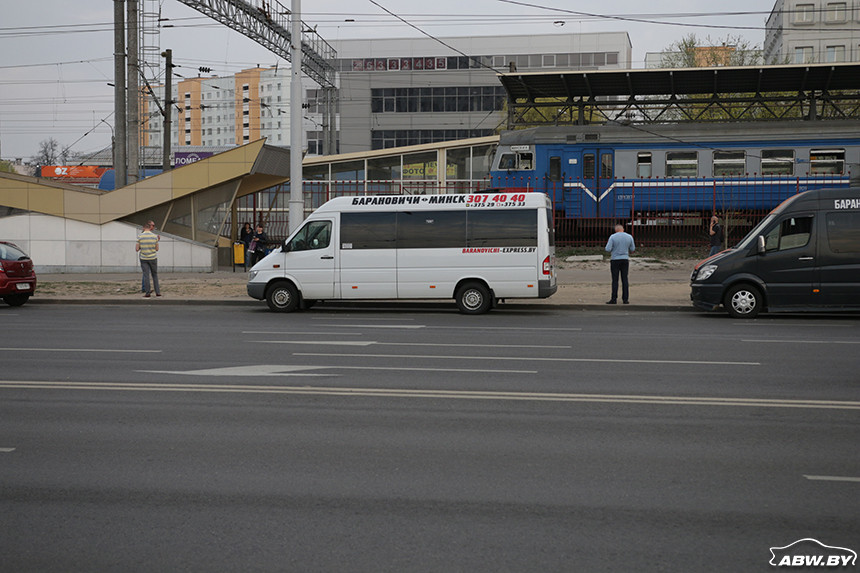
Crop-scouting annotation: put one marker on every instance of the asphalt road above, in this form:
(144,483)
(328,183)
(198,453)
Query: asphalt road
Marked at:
(213,438)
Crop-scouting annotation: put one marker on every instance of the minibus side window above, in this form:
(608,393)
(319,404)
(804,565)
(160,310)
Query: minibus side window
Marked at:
(314,235)
(503,228)
(843,232)
(431,229)
(367,230)
(792,233)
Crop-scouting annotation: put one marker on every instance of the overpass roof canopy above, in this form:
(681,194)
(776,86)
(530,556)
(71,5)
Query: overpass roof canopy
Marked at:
(681,81)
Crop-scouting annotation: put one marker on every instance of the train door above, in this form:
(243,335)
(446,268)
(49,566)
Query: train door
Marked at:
(565,176)
(598,171)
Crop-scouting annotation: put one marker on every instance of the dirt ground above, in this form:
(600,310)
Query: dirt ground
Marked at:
(580,282)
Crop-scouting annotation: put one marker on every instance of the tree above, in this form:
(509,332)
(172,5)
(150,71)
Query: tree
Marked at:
(48,152)
(6,167)
(691,52)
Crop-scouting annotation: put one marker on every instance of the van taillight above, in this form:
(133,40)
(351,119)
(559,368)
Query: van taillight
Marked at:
(547,266)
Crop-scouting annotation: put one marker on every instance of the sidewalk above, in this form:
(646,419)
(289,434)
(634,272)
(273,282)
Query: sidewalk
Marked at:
(581,284)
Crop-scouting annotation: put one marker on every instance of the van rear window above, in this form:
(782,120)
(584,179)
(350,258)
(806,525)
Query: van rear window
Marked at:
(843,232)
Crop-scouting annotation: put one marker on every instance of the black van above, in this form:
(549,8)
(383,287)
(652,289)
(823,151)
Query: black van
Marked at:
(804,256)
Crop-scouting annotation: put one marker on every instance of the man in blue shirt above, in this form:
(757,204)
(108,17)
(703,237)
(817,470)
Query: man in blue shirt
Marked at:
(620,245)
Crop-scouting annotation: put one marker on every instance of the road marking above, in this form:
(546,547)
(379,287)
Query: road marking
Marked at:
(514,328)
(276,370)
(439,394)
(409,326)
(79,350)
(532,359)
(833,478)
(807,341)
(294,333)
(6,450)
(375,342)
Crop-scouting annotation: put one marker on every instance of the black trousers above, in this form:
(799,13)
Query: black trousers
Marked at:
(620,267)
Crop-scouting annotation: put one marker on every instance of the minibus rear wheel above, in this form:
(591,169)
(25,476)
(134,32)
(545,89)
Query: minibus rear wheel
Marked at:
(282,297)
(474,298)
(743,301)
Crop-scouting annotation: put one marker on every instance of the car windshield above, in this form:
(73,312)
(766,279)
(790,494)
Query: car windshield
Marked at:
(9,252)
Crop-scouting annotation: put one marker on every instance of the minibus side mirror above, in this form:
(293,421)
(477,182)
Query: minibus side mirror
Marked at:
(760,245)
(287,247)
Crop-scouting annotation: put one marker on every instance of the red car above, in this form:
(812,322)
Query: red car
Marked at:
(17,277)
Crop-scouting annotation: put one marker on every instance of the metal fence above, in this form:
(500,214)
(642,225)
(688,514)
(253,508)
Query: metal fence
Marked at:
(657,212)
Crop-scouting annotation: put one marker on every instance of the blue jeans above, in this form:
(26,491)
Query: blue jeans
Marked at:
(620,267)
(714,250)
(150,267)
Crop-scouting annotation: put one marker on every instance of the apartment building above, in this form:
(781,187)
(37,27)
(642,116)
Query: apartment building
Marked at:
(813,31)
(233,110)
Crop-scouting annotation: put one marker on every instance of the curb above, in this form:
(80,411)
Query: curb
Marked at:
(366,305)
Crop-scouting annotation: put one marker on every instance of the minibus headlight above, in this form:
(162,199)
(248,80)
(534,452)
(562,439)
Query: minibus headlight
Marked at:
(252,275)
(705,272)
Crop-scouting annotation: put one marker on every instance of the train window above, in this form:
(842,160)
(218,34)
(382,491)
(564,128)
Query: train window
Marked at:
(606,166)
(643,165)
(827,161)
(729,163)
(524,161)
(682,164)
(508,161)
(555,168)
(777,162)
(588,166)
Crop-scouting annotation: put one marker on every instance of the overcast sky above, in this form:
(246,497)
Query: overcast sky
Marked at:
(56,56)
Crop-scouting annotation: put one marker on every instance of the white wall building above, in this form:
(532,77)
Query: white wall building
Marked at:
(812,31)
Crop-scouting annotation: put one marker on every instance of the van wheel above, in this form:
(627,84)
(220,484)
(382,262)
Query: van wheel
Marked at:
(16,299)
(473,298)
(282,297)
(743,301)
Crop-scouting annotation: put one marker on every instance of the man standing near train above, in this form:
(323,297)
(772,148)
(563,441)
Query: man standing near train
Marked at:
(619,246)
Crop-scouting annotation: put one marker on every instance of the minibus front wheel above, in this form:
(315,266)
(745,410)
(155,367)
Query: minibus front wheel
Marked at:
(474,298)
(282,297)
(743,301)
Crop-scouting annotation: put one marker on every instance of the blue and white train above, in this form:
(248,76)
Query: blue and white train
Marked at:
(615,171)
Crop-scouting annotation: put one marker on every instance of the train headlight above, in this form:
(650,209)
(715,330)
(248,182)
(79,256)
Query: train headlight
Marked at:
(705,272)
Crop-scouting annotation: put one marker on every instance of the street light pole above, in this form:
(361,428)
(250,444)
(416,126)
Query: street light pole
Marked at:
(297,202)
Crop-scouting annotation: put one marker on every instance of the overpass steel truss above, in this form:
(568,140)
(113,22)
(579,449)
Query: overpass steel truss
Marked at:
(808,92)
(653,109)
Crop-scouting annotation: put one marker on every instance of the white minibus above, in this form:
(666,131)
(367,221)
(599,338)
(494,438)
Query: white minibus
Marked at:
(474,248)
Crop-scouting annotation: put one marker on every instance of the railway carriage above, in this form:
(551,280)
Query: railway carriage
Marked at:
(676,170)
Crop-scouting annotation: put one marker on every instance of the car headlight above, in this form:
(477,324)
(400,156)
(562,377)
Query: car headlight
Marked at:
(705,272)
(252,275)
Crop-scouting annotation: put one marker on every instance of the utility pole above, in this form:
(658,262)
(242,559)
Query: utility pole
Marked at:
(120,157)
(168,108)
(297,202)
(133,92)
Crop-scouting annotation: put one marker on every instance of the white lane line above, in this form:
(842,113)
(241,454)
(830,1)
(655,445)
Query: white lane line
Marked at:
(833,478)
(408,326)
(318,342)
(79,350)
(806,341)
(294,333)
(376,342)
(440,394)
(261,370)
(363,318)
(532,359)
(6,450)
(792,325)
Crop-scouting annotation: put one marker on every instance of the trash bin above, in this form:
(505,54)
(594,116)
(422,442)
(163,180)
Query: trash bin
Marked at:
(238,254)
